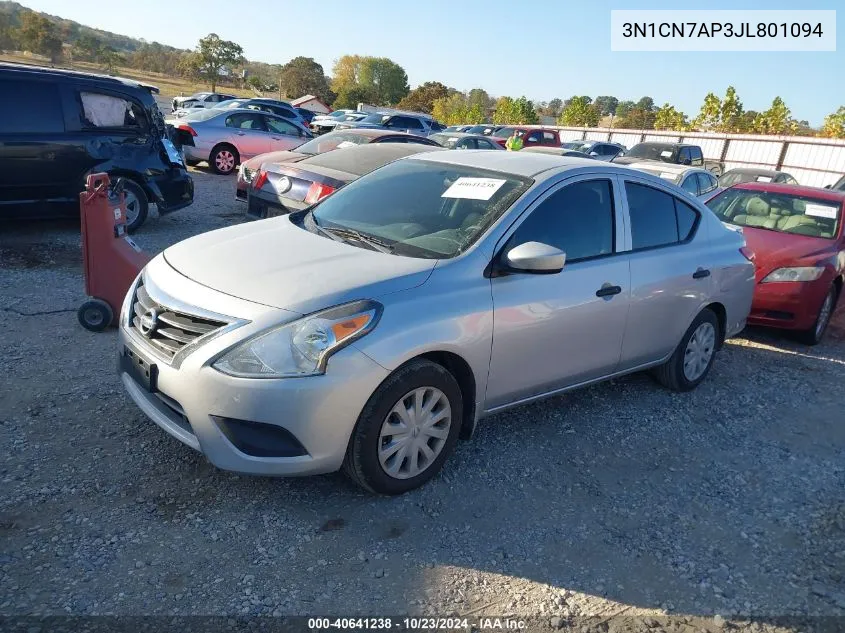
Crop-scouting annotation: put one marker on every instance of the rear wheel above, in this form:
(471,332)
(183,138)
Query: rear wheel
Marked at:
(137,205)
(223,159)
(693,358)
(815,334)
(406,431)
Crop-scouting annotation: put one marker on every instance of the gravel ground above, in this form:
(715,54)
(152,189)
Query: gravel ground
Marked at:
(620,498)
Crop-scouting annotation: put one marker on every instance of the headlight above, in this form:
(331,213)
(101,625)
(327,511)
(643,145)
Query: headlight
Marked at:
(801,273)
(301,348)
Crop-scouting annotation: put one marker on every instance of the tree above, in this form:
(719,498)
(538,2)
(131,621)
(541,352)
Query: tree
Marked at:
(214,55)
(775,120)
(8,36)
(624,108)
(456,109)
(479,97)
(349,97)
(668,118)
(303,76)
(346,72)
(87,48)
(710,115)
(504,112)
(580,112)
(525,113)
(387,80)
(39,35)
(646,103)
(555,107)
(731,112)
(422,98)
(606,105)
(834,124)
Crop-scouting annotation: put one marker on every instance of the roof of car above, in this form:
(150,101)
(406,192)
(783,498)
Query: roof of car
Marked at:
(754,170)
(523,164)
(659,166)
(795,190)
(64,72)
(458,134)
(362,159)
(373,132)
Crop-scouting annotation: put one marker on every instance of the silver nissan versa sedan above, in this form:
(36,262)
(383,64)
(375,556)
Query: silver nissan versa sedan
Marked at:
(372,330)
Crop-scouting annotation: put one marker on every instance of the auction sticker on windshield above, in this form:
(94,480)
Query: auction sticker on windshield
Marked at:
(473,188)
(821,211)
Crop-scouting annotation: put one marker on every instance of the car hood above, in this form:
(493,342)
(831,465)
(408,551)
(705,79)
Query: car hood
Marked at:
(275,157)
(630,160)
(278,264)
(775,250)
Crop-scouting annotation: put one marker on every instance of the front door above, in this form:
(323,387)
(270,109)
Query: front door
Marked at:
(555,330)
(248,134)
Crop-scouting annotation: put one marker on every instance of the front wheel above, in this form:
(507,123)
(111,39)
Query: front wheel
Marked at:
(693,358)
(815,334)
(406,431)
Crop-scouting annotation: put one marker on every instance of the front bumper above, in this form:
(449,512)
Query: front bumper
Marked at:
(190,401)
(788,305)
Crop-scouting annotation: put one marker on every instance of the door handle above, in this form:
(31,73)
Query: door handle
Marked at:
(241,133)
(608,291)
(701,273)
(275,138)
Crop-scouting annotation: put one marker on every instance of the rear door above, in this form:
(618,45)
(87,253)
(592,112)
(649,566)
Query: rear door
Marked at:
(670,270)
(557,330)
(37,160)
(248,133)
(550,138)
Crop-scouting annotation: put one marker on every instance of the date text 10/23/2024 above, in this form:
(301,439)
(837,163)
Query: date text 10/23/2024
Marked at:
(418,624)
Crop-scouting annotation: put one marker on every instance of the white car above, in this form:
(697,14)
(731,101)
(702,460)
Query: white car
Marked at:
(199,100)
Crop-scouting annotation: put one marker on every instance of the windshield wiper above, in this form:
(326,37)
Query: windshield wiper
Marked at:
(374,243)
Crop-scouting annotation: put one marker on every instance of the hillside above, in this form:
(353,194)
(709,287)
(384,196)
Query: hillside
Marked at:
(72,31)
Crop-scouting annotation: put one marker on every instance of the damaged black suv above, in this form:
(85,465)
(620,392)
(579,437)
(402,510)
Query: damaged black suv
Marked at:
(57,126)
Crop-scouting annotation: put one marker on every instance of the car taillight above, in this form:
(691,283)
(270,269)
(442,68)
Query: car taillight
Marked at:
(259,180)
(187,128)
(747,253)
(317,192)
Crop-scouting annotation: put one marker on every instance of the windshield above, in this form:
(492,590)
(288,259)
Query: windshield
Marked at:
(666,175)
(199,95)
(420,208)
(201,115)
(578,146)
(653,151)
(505,132)
(375,118)
(331,141)
(338,114)
(230,103)
(445,139)
(839,185)
(775,211)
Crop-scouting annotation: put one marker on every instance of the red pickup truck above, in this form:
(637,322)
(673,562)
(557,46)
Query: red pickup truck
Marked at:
(531,136)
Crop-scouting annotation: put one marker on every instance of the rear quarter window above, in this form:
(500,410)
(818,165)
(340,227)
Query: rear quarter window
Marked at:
(30,107)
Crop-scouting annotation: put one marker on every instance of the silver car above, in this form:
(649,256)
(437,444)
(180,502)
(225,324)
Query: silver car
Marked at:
(596,149)
(224,137)
(372,330)
(696,181)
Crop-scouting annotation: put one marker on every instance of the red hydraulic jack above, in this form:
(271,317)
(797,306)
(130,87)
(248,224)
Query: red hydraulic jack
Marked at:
(110,258)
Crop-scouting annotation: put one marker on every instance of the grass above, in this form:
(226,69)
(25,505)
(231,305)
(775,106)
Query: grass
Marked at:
(169,85)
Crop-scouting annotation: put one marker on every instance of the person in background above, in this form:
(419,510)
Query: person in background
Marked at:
(514,142)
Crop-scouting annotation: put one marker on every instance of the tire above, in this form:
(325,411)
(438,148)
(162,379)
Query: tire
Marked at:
(673,374)
(815,334)
(140,205)
(95,315)
(223,160)
(367,447)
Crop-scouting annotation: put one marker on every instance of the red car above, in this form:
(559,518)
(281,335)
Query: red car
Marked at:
(796,236)
(320,145)
(531,136)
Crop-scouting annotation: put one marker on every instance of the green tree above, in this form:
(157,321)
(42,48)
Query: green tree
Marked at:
(303,76)
(646,103)
(606,105)
(350,96)
(775,120)
(87,48)
(422,98)
(580,112)
(387,80)
(710,115)
(504,112)
(346,72)
(479,97)
(525,112)
(39,35)
(624,109)
(834,124)
(668,118)
(214,55)
(731,112)
(451,110)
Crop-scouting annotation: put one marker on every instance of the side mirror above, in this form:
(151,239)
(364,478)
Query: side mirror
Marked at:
(594,153)
(536,257)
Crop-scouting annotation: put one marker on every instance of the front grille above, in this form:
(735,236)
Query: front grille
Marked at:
(173,330)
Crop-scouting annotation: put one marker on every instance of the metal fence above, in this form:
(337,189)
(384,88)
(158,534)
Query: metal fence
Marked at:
(811,161)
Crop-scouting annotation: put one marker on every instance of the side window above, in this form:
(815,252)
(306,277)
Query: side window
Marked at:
(690,184)
(414,124)
(706,183)
(483,143)
(104,110)
(577,219)
(279,126)
(657,218)
(791,181)
(534,137)
(549,138)
(697,156)
(35,109)
(245,121)
(684,156)
(467,143)
(212,99)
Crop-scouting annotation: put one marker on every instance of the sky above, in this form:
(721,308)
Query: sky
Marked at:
(538,48)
